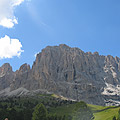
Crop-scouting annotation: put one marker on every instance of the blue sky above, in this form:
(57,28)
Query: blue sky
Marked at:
(91,25)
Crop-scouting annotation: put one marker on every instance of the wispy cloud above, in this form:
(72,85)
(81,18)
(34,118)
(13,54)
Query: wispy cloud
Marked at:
(10,47)
(35,15)
(7,17)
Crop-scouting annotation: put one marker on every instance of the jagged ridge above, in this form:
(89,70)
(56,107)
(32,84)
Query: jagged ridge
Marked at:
(69,72)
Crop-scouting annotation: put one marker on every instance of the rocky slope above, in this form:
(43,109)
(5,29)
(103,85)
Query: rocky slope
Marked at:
(69,72)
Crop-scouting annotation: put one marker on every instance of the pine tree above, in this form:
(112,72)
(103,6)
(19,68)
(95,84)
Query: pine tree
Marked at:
(40,113)
(83,112)
(27,114)
(114,118)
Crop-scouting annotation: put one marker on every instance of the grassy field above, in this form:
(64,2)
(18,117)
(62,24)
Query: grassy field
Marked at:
(104,113)
(100,112)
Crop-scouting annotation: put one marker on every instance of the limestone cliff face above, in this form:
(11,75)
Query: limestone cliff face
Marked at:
(6,76)
(75,74)
(72,73)
(24,78)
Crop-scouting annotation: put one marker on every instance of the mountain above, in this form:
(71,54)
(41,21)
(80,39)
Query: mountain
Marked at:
(66,71)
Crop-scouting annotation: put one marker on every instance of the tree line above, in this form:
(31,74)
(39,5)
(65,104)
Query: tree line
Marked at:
(40,109)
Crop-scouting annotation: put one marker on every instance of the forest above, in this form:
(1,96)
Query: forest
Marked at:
(49,107)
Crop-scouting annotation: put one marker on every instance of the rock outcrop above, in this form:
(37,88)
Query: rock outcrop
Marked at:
(69,72)
(6,76)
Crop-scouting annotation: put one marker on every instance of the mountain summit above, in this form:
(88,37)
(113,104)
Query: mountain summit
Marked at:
(69,72)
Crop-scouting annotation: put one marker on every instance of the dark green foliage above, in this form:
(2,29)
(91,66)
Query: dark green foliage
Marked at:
(27,114)
(83,112)
(40,113)
(81,105)
(22,108)
(12,114)
(55,117)
(69,117)
(114,118)
(64,117)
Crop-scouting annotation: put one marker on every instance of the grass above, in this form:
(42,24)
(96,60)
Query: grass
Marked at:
(104,113)
(100,112)
(96,107)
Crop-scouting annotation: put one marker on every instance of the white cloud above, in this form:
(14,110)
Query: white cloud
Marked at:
(7,17)
(10,47)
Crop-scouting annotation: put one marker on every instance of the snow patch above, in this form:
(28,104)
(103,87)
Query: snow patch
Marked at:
(111,102)
(110,69)
(106,69)
(111,89)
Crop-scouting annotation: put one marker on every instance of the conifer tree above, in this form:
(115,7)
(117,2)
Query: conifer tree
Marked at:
(83,112)
(40,113)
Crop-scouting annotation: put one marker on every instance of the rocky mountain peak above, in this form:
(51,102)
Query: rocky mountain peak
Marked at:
(69,72)
(5,69)
(96,53)
(24,68)
(64,46)
(6,76)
